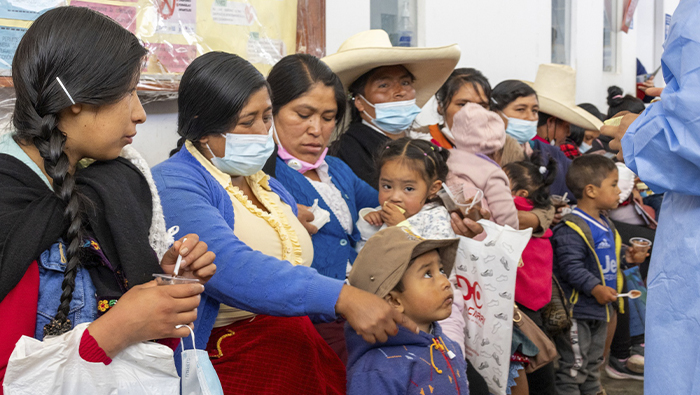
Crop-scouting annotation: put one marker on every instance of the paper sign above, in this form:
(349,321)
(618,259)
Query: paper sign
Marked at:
(177,17)
(9,39)
(232,13)
(26,10)
(265,50)
(124,15)
(174,57)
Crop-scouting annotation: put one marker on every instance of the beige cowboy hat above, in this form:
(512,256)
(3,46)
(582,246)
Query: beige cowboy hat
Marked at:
(372,48)
(555,85)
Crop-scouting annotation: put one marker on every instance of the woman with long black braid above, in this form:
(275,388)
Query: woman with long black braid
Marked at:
(75,239)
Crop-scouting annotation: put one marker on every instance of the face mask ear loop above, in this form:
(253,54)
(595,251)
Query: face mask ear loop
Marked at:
(209,148)
(182,342)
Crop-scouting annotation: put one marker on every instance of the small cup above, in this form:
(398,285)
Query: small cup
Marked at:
(167,279)
(559,201)
(640,247)
(465,201)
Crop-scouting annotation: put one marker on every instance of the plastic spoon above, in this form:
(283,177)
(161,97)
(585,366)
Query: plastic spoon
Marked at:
(178,261)
(633,294)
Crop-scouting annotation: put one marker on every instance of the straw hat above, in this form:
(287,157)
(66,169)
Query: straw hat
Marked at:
(372,48)
(555,85)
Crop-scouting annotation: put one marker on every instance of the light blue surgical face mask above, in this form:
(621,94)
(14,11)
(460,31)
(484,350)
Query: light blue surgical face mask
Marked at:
(393,117)
(584,147)
(198,374)
(245,154)
(520,129)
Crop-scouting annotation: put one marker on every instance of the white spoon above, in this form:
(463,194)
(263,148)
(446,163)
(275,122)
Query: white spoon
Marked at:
(633,294)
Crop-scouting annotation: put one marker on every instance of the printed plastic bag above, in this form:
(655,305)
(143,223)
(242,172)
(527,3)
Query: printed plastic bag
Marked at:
(638,307)
(485,275)
(53,366)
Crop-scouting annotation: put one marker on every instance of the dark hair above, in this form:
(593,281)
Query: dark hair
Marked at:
(99,63)
(528,175)
(459,78)
(358,88)
(588,170)
(420,155)
(507,92)
(617,102)
(294,75)
(213,90)
(576,133)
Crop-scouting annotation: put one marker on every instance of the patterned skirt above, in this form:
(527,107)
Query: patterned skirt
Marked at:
(275,355)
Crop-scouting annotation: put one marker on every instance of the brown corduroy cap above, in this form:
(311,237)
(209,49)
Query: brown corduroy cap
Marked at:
(384,259)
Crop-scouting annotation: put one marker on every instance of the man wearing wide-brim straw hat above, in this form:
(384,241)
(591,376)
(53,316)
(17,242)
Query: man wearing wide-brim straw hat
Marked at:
(555,85)
(387,87)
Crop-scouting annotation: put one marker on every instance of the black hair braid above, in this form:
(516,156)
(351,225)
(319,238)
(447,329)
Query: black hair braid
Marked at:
(50,143)
(180,143)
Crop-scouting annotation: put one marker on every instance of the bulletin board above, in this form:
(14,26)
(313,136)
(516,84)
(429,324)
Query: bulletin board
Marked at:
(174,31)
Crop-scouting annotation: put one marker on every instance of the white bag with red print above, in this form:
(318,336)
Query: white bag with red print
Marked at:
(484,273)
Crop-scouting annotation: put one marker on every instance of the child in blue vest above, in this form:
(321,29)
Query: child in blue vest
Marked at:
(586,263)
(408,271)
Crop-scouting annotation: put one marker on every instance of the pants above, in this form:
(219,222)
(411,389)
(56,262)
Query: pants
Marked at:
(541,381)
(581,351)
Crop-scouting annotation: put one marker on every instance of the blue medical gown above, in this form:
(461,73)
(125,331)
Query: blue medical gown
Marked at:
(663,147)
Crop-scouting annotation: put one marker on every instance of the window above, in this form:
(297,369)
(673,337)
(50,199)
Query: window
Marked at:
(610,36)
(396,17)
(561,31)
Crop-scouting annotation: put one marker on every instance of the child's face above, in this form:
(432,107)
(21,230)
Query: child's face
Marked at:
(607,196)
(405,187)
(427,293)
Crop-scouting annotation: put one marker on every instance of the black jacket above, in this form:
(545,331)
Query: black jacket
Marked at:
(359,148)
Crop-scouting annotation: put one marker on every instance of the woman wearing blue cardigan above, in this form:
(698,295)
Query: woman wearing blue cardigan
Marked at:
(214,182)
(308,100)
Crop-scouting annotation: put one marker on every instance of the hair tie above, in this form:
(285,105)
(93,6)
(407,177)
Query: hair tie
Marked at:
(387,147)
(618,97)
(494,100)
(425,154)
(432,148)
(543,170)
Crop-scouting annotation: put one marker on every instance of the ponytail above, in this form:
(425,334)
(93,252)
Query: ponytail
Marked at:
(536,179)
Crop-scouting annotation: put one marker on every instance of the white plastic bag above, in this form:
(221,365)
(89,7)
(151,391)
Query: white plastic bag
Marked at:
(54,366)
(484,273)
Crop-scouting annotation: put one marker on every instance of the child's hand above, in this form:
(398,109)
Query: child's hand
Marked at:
(391,214)
(633,255)
(603,294)
(374,218)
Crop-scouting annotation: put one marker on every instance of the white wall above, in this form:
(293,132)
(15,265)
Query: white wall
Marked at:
(505,39)
(158,135)
(343,19)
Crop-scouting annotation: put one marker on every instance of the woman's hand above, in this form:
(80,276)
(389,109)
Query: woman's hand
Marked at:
(391,214)
(371,316)
(466,227)
(197,260)
(374,218)
(306,217)
(618,132)
(147,312)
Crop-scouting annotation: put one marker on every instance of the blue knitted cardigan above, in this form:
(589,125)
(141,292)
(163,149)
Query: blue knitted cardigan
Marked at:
(333,247)
(246,279)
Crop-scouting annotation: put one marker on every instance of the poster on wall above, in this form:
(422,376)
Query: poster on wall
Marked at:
(175,31)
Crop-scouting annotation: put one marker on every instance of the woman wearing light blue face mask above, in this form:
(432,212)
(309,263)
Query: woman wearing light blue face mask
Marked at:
(518,105)
(261,303)
(387,87)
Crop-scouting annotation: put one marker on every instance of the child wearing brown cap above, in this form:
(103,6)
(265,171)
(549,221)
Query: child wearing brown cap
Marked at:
(409,273)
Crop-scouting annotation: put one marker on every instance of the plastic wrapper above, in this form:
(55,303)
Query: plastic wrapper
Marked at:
(177,31)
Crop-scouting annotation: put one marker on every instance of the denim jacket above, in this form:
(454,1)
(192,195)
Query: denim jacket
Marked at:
(83,307)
